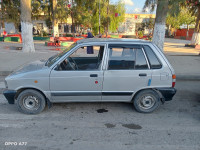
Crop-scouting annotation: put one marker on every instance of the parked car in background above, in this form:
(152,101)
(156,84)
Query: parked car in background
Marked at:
(118,70)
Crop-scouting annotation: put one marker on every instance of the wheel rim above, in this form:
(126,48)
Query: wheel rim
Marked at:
(31,102)
(147,102)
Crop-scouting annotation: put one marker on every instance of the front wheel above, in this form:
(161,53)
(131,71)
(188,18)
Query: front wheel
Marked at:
(146,101)
(31,102)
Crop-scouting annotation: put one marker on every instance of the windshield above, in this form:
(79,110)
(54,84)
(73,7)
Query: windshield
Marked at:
(56,57)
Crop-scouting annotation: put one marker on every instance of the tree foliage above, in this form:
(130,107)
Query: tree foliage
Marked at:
(115,21)
(84,13)
(11,11)
(186,17)
(87,14)
(173,21)
(181,12)
(194,8)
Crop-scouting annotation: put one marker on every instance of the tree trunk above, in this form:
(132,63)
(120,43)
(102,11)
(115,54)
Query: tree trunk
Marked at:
(26,26)
(187,35)
(196,35)
(55,23)
(159,28)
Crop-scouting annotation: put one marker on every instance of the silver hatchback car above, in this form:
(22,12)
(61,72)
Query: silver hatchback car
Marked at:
(95,70)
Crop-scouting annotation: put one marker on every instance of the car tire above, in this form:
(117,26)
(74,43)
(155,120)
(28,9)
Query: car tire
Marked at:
(31,102)
(146,101)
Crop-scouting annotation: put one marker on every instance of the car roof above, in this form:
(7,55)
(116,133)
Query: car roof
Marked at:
(111,40)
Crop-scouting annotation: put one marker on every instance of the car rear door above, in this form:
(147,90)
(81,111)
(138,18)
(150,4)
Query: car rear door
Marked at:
(127,71)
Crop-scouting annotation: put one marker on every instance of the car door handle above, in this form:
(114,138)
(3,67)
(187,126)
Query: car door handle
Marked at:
(93,75)
(142,74)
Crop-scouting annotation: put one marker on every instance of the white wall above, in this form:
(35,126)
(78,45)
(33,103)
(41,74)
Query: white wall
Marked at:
(10,28)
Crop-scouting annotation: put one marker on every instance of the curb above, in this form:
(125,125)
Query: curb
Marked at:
(188,77)
(1,90)
(5,73)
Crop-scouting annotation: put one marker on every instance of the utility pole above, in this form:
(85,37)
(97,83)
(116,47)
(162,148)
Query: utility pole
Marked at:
(107,19)
(99,18)
(1,16)
(72,15)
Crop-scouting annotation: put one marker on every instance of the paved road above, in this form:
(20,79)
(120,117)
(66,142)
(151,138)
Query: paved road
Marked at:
(175,126)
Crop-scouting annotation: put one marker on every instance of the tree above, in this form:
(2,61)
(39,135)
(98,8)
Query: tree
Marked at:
(194,8)
(186,17)
(87,15)
(173,22)
(55,21)
(159,27)
(26,26)
(37,9)
(11,11)
(161,12)
(149,24)
(117,15)
(54,11)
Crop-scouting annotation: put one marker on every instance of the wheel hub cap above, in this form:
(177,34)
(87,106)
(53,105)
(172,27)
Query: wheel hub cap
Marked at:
(31,102)
(147,102)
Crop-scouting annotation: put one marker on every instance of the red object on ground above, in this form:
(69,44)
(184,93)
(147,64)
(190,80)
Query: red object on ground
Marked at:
(63,38)
(77,39)
(4,33)
(66,38)
(84,35)
(15,35)
(53,44)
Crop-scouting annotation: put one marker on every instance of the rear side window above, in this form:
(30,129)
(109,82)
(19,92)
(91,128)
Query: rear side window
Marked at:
(140,60)
(153,60)
(126,58)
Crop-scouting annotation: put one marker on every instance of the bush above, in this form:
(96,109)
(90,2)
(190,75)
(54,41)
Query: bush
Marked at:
(68,35)
(140,34)
(45,33)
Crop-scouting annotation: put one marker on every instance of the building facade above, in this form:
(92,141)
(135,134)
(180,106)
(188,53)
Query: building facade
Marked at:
(133,22)
(130,26)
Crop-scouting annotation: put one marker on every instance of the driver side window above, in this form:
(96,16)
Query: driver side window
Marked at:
(84,58)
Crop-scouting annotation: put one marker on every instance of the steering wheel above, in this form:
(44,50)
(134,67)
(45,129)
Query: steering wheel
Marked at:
(72,63)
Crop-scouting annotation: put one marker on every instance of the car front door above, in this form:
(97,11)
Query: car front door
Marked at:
(79,77)
(127,71)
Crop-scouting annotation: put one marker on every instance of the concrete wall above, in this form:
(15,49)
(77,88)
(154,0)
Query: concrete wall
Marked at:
(10,28)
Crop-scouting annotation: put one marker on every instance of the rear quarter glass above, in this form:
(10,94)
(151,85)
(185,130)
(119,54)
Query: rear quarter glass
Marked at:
(164,58)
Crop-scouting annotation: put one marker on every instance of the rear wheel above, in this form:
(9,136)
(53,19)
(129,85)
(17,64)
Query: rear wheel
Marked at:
(31,102)
(146,101)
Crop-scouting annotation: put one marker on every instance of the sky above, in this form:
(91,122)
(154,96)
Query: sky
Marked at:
(133,6)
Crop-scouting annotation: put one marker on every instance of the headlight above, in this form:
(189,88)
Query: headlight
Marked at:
(6,84)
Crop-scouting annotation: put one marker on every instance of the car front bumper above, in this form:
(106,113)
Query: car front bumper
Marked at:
(10,96)
(167,93)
